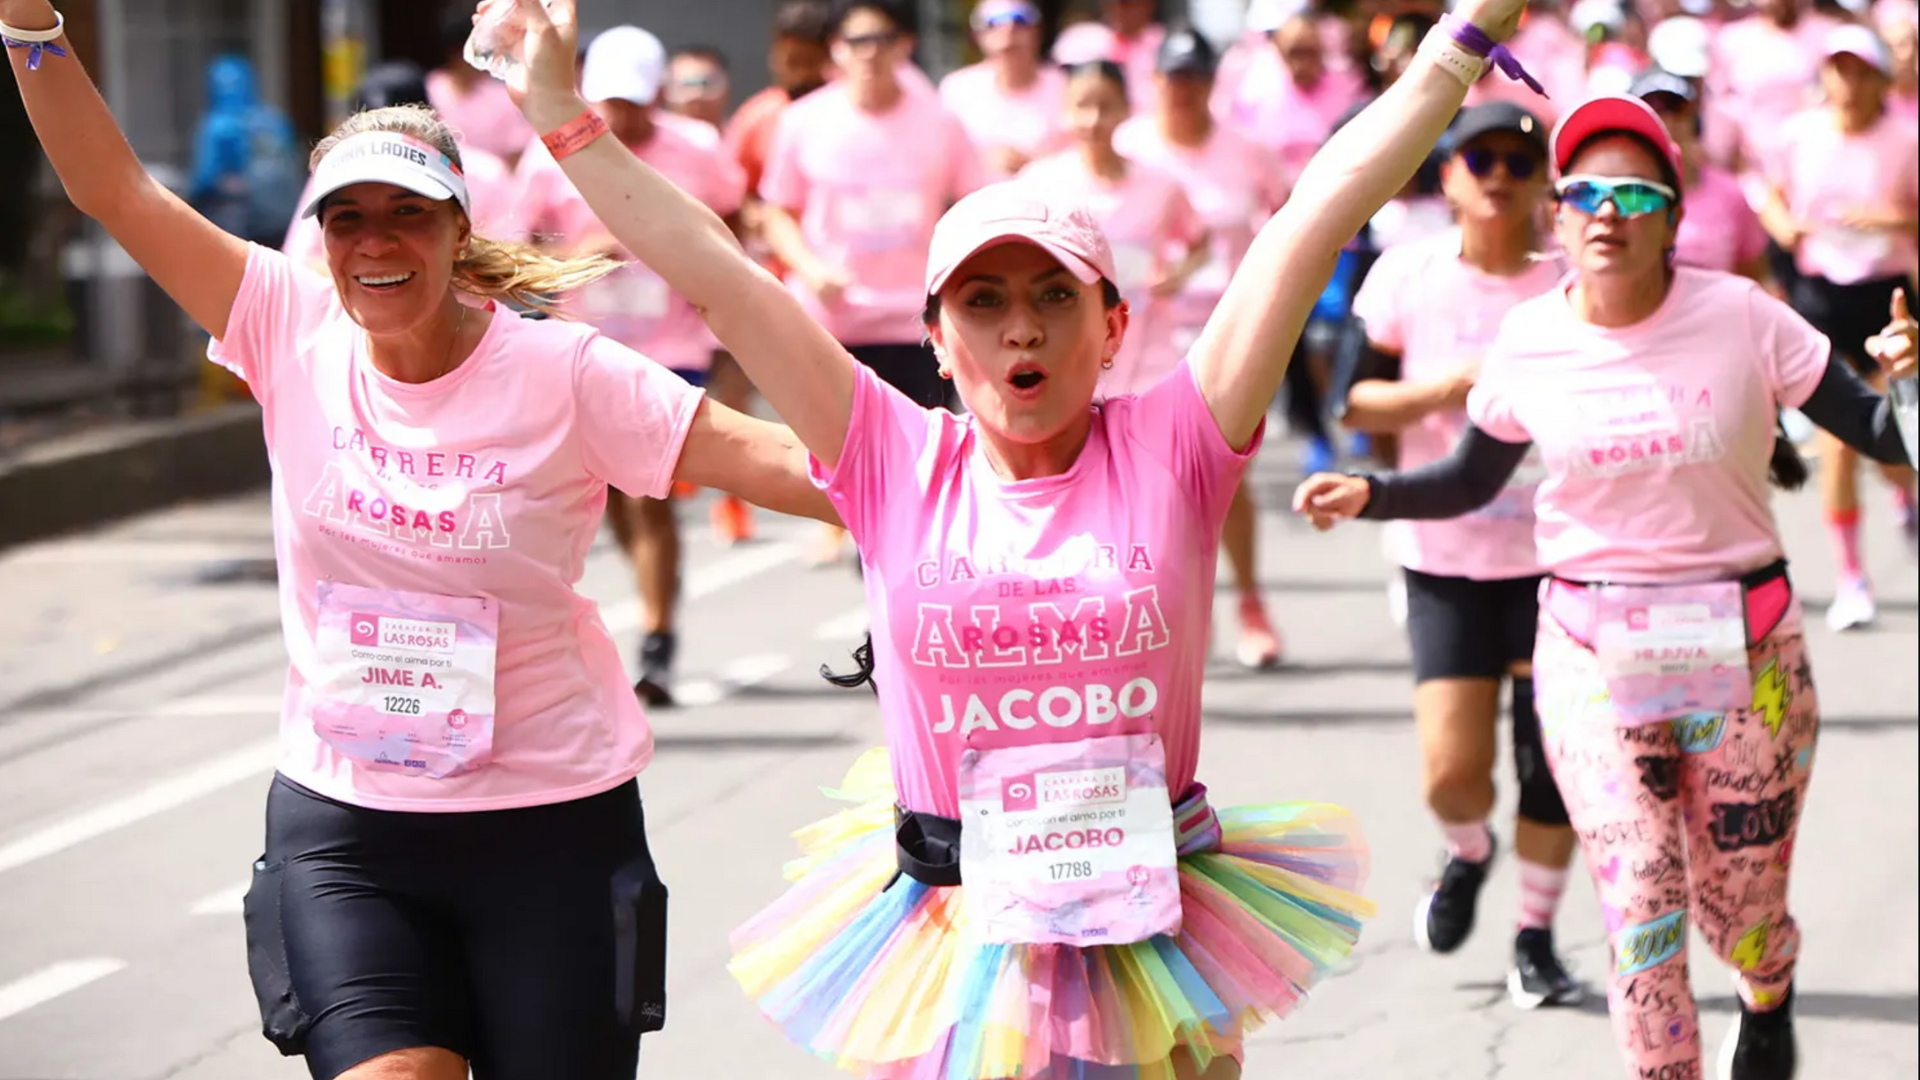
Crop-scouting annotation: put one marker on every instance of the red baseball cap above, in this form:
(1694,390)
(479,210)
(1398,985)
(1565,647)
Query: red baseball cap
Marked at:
(1628,115)
(1010,211)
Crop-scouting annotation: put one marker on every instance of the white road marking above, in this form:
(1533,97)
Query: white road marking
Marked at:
(243,764)
(51,982)
(225,902)
(845,626)
(707,580)
(729,680)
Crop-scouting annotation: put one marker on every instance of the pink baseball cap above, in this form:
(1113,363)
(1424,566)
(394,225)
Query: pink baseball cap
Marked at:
(1629,115)
(1009,211)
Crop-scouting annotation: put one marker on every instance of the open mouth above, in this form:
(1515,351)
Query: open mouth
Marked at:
(1026,379)
(382,282)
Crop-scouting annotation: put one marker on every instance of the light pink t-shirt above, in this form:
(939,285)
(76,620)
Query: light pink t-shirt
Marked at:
(634,306)
(1035,611)
(1233,184)
(487,482)
(484,117)
(1151,225)
(1655,437)
(490,188)
(1438,313)
(868,189)
(1719,230)
(1763,75)
(1289,119)
(1032,121)
(1825,172)
(1554,54)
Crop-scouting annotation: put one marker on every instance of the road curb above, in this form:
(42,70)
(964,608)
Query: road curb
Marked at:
(101,476)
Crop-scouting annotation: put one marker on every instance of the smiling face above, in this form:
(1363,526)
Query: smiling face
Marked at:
(391,253)
(1607,242)
(1024,340)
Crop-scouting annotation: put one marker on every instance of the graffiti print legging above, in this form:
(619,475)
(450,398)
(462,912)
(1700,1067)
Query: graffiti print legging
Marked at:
(1684,821)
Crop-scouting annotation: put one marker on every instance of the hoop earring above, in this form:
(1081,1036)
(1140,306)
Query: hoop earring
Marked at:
(1107,364)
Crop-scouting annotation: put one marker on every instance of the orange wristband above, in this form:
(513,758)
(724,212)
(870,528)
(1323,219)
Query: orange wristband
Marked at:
(575,135)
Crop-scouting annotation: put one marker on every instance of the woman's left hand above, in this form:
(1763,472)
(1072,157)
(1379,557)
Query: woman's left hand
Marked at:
(1897,347)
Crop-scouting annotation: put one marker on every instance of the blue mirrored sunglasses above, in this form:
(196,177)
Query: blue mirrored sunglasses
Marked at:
(1632,197)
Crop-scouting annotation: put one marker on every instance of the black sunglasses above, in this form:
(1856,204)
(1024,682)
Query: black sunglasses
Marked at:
(1480,162)
(881,40)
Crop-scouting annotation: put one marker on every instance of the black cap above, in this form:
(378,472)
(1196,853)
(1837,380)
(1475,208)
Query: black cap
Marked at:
(1487,119)
(1184,52)
(393,82)
(1656,81)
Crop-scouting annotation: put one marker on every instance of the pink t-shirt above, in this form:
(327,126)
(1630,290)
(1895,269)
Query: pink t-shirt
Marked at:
(487,482)
(1035,611)
(1290,119)
(1826,172)
(1763,75)
(868,188)
(1655,437)
(1032,121)
(1554,54)
(1438,313)
(634,306)
(1150,224)
(484,117)
(1233,184)
(490,188)
(1719,230)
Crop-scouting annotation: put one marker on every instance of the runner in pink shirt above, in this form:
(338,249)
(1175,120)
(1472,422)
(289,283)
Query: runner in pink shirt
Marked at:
(475,106)
(1720,230)
(1291,107)
(1012,104)
(1233,185)
(1767,69)
(1902,35)
(1430,311)
(1846,203)
(1040,577)
(1128,36)
(1675,692)
(624,73)
(455,872)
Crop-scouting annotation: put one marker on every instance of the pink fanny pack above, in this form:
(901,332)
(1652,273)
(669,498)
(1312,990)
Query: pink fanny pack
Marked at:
(1768,596)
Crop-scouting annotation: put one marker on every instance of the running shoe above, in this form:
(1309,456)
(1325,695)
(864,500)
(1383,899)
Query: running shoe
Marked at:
(1444,918)
(732,520)
(655,688)
(1852,607)
(1761,1045)
(1259,642)
(1538,976)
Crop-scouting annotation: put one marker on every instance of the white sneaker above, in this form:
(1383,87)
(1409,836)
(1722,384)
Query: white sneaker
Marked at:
(1852,607)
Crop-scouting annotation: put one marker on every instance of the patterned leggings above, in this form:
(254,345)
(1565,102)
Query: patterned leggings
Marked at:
(1690,816)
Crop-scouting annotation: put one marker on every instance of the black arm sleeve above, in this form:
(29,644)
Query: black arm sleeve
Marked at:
(1856,414)
(1460,483)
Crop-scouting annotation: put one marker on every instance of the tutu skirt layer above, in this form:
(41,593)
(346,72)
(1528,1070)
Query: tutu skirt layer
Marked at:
(878,974)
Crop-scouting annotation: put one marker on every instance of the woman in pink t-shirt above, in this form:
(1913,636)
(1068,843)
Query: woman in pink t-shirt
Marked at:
(456,870)
(1846,203)
(1013,102)
(1675,693)
(1720,231)
(1040,576)
(1430,310)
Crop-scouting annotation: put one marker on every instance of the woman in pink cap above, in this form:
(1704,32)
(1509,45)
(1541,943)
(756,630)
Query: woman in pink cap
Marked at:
(1675,693)
(1040,577)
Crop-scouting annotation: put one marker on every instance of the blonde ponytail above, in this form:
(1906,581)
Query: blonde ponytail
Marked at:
(495,269)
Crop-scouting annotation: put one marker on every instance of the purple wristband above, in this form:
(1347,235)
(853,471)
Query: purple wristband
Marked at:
(35,49)
(1475,40)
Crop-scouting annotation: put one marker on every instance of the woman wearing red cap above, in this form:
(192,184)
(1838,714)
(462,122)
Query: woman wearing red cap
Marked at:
(1675,693)
(1040,577)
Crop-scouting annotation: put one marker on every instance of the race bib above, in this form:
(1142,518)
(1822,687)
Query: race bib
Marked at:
(405,680)
(1671,650)
(1069,843)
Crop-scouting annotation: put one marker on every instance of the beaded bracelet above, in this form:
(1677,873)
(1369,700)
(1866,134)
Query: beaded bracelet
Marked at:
(38,43)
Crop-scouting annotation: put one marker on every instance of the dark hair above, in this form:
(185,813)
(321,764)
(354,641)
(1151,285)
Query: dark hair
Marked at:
(702,52)
(1106,69)
(1786,469)
(863,673)
(804,20)
(903,14)
(395,82)
(1109,296)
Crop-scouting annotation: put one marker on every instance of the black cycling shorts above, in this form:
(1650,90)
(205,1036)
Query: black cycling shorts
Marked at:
(1465,629)
(531,942)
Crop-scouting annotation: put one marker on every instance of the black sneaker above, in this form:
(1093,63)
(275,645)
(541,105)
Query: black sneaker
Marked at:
(1761,1046)
(1444,918)
(656,671)
(1538,977)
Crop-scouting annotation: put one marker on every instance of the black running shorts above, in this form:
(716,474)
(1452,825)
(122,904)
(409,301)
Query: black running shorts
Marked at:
(1466,629)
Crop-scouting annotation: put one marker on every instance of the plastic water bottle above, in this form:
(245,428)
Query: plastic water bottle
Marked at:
(494,45)
(1906,412)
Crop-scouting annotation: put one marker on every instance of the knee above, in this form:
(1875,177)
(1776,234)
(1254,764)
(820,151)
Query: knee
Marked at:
(1452,778)
(414,1063)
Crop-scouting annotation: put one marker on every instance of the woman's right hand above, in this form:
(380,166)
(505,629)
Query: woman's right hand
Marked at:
(1897,347)
(1327,499)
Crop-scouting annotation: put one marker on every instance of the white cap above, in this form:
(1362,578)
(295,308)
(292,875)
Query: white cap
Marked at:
(1856,40)
(1683,46)
(624,64)
(385,157)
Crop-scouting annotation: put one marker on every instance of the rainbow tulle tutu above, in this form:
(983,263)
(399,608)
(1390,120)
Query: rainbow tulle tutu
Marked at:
(878,974)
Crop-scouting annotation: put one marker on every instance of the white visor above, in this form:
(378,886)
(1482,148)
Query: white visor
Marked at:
(382,157)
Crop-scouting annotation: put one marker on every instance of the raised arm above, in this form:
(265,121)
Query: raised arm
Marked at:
(1460,483)
(198,264)
(803,373)
(1242,355)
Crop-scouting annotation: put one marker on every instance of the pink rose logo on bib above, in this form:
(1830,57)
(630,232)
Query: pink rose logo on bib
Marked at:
(366,630)
(1019,794)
